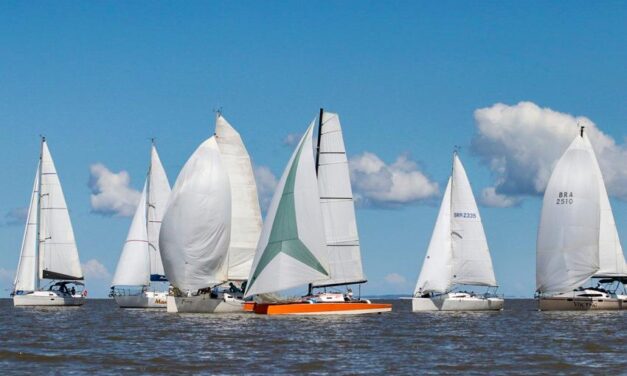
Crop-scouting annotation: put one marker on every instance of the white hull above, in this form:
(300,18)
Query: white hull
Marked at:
(204,304)
(574,301)
(456,302)
(146,300)
(47,299)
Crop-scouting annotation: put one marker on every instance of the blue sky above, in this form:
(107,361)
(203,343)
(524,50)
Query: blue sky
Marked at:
(100,78)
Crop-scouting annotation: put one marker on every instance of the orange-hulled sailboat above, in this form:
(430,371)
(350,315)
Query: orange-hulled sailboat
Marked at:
(310,232)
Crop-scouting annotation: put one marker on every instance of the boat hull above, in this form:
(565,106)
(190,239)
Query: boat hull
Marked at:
(345,308)
(47,299)
(457,304)
(204,304)
(142,301)
(581,304)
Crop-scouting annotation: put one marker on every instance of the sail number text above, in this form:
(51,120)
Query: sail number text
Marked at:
(464,215)
(565,198)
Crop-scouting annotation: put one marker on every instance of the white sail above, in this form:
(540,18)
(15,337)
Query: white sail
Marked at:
(437,268)
(568,236)
(245,212)
(26,276)
(611,258)
(338,209)
(158,195)
(133,266)
(472,264)
(58,255)
(292,248)
(196,228)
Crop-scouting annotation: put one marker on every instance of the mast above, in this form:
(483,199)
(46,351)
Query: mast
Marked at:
(310,286)
(148,204)
(38,215)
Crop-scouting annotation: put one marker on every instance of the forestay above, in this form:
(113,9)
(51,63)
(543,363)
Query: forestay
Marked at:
(196,227)
(292,248)
(472,264)
(245,212)
(157,199)
(568,236)
(58,255)
(133,267)
(338,209)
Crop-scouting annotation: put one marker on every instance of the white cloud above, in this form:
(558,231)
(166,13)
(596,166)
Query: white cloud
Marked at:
(379,184)
(111,192)
(395,279)
(521,144)
(15,217)
(292,139)
(266,184)
(94,270)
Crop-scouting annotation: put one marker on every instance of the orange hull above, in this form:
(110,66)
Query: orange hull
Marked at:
(320,308)
(248,306)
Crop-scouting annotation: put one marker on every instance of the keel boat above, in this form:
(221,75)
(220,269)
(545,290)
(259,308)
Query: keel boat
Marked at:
(211,226)
(580,264)
(458,254)
(139,280)
(49,272)
(310,233)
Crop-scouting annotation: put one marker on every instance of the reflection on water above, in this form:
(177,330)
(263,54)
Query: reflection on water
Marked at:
(100,338)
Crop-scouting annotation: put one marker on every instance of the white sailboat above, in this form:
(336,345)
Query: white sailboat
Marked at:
(211,226)
(49,252)
(458,254)
(140,262)
(577,237)
(310,233)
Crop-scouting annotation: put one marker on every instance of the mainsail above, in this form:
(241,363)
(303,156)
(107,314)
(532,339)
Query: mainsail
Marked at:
(458,252)
(568,236)
(292,248)
(134,264)
(196,228)
(157,196)
(58,255)
(336,201)
(245,212)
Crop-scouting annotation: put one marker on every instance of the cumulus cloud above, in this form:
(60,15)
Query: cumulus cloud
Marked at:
(521,144)
(292,139)
(395,279)
(111,193)
(14,217)
(266,184)
(94,270)
(376,183)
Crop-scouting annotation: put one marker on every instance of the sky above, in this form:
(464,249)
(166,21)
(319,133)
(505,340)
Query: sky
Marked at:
(506,82)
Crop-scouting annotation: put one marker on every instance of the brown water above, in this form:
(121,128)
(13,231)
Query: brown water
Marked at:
(100,338)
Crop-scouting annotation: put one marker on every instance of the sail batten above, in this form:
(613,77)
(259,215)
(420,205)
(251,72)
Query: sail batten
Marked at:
(338,209)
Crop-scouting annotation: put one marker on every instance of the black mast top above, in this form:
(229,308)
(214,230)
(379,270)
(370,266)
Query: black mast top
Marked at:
(581,133)
(319,134)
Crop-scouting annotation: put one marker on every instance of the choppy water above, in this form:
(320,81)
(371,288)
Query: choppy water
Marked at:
(100,338)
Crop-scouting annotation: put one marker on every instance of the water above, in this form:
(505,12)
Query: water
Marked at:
(100,338)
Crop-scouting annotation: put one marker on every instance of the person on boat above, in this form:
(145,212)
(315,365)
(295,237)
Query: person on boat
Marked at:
(73,291)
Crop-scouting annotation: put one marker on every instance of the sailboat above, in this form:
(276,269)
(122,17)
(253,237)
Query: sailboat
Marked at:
(49,254)
(577,237)
(211,226)
(140,262)
(310,233)
(458,254)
